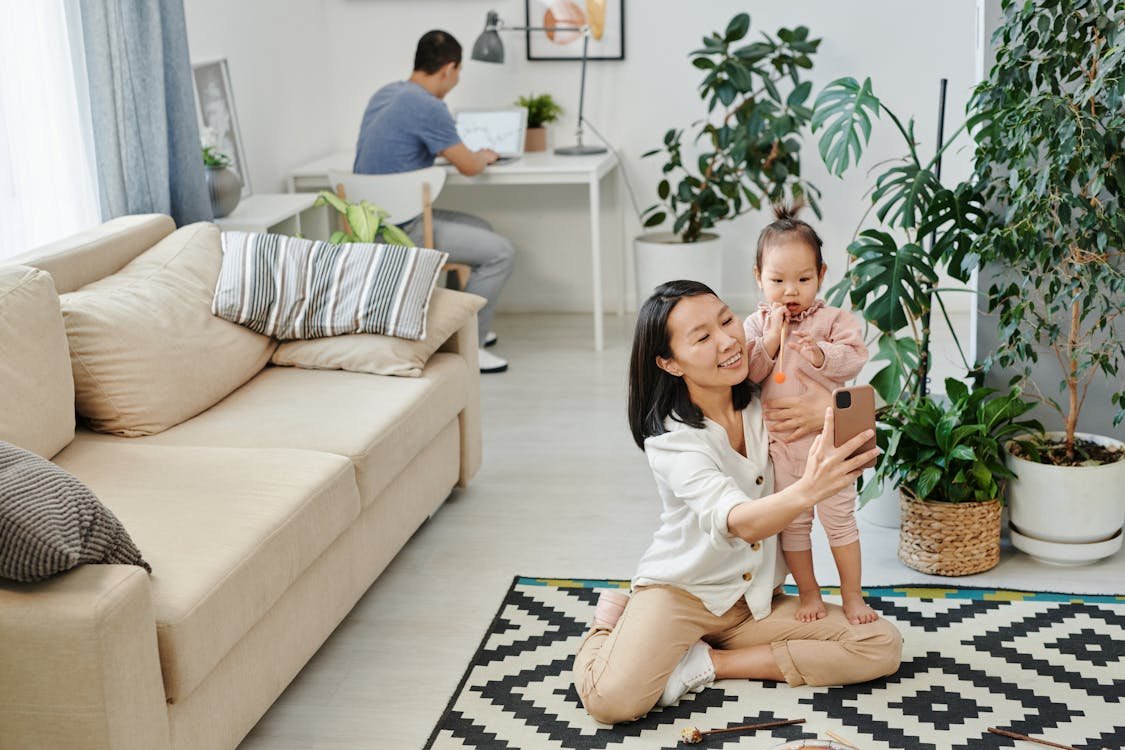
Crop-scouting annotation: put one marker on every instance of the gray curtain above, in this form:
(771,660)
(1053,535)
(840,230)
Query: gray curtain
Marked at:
(146,137)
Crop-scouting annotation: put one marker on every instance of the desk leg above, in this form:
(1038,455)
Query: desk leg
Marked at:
(596,259)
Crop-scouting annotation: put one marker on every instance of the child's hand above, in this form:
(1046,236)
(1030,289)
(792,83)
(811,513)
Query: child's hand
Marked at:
(807,346)
(777,316)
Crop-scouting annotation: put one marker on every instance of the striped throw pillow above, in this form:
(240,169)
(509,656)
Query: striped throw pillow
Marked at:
(51,522)
(291,288)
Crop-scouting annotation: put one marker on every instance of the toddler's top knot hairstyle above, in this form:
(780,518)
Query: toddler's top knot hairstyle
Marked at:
(786,223)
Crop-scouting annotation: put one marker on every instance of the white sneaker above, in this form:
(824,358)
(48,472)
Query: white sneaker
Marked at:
(489,362)
(693,673)
(490,338)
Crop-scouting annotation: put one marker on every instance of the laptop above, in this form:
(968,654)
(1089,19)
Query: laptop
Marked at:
(503,130)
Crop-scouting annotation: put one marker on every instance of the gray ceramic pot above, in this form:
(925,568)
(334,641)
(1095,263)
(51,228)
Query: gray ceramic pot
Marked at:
(225,190)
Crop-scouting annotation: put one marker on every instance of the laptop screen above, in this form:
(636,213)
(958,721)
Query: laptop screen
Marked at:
(501,130)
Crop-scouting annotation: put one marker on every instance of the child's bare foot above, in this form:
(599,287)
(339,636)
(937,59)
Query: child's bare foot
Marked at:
(811,607)
(857,611)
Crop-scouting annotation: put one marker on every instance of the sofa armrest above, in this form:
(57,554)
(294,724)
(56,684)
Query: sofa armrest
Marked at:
(464,342)
(79,663)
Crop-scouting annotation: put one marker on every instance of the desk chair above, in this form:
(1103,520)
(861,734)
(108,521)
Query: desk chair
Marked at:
(403,196)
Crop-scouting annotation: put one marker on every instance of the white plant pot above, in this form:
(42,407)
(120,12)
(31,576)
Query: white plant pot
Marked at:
(662,257)
(883,509)
(1078,509)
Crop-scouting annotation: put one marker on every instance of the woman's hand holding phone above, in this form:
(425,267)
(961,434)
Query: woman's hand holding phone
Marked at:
(830,468)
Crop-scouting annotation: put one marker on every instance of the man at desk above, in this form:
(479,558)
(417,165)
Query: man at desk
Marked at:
(405,127)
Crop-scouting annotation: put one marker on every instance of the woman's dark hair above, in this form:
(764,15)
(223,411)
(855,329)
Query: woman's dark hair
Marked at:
(786,222)
(655,394)
(436,49)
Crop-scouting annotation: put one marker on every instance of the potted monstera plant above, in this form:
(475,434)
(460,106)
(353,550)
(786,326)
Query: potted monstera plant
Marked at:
(744,152)
(1050,131)
(946,456)
(924,229)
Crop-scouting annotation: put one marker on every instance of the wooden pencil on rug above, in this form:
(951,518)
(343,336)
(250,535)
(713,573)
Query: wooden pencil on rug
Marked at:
(692,735)
(1024,737)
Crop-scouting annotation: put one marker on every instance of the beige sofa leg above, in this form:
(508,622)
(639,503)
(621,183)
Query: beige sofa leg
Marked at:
(79,667)
(464,342)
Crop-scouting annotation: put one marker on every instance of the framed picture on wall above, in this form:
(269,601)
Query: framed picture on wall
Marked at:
(606,19)
(218,122)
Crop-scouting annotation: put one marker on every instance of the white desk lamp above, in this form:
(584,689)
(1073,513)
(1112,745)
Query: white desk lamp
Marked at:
(489,48)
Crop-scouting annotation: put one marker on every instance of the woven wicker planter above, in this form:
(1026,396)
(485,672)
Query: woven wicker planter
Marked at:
(948,539)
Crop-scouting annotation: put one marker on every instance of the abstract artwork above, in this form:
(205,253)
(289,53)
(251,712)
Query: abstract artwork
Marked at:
(606,19)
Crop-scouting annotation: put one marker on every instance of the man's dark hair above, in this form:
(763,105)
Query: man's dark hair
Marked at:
(435,50)
(654,393)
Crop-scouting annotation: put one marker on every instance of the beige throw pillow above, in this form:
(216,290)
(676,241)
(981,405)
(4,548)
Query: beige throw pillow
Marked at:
(37,393)
(146,351)
(385,355)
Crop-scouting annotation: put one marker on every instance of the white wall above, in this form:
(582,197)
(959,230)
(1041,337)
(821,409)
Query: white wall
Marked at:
(278,53)
(348,48)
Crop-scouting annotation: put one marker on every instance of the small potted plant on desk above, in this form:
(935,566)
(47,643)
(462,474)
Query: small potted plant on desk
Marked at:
(745,153)
(947,459)
(541,109)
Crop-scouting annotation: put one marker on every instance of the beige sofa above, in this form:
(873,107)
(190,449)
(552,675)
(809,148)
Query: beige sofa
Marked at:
(265,518)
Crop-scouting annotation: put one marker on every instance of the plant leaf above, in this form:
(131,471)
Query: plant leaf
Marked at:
(844,108)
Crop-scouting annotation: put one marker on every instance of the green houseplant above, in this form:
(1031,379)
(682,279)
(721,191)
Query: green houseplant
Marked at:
(224,188)
(363,222)
(925,228)
(745,151)
(541,110)
(1050,124)
(947,458)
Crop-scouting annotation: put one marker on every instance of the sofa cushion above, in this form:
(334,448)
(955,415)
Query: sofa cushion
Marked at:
(384,355)
(37,398)
(227,532)
(379,423)
(146,351)
(51,522)
(293,288)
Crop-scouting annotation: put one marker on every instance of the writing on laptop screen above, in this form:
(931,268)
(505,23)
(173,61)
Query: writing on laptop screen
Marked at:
(500,130)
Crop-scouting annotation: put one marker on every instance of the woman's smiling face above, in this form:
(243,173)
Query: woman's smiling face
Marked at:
(707,342)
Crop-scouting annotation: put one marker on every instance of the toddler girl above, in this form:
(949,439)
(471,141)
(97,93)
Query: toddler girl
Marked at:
(797,336)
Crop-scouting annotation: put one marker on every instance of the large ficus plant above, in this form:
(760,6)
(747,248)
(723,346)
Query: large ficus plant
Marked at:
(749,144)
(924,228)
(1050,123)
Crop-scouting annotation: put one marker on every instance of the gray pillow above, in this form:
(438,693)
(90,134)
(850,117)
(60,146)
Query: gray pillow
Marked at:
(51,522)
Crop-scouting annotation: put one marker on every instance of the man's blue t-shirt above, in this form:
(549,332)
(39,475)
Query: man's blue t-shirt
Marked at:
(404,128)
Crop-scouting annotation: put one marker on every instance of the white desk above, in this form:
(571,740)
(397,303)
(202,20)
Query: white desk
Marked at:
(540,168)
(278,213)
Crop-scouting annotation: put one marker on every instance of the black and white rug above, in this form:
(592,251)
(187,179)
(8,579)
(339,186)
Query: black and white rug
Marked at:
(1047,665)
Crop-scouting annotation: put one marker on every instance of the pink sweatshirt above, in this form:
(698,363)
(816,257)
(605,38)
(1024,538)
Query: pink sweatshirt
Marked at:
(836,331)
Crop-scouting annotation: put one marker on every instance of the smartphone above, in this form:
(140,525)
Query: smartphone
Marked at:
(853,409)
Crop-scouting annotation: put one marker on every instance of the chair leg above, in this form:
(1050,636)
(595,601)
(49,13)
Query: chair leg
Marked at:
(461,271)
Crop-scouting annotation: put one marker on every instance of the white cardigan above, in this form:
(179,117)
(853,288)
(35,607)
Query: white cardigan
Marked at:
(700,478)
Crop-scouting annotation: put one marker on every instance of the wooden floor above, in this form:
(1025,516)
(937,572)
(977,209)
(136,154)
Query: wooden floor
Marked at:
(564,493)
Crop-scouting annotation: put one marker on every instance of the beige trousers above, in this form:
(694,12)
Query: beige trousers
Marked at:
(619,674)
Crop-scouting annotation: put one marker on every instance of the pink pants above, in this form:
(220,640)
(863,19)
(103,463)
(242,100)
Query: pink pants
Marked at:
(837,513)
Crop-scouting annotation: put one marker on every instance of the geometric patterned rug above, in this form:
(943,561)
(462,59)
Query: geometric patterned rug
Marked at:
(1047,665)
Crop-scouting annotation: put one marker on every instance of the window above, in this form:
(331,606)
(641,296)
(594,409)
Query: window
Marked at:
(48,188)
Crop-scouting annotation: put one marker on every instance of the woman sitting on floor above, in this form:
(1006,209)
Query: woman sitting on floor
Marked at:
(707,603)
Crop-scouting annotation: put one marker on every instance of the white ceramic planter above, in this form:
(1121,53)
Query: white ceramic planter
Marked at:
(883,509)
(662,257)
(1067,505)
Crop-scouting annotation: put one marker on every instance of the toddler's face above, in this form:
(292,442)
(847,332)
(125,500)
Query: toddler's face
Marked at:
(789,275)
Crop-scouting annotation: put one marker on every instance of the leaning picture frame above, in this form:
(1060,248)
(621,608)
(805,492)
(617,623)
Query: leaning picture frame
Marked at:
(214,104)
(606,19)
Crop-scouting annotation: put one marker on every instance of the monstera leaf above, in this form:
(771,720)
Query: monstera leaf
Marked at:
(905,193)
(845,109)
(954,218)
(887,280)
(901,356)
